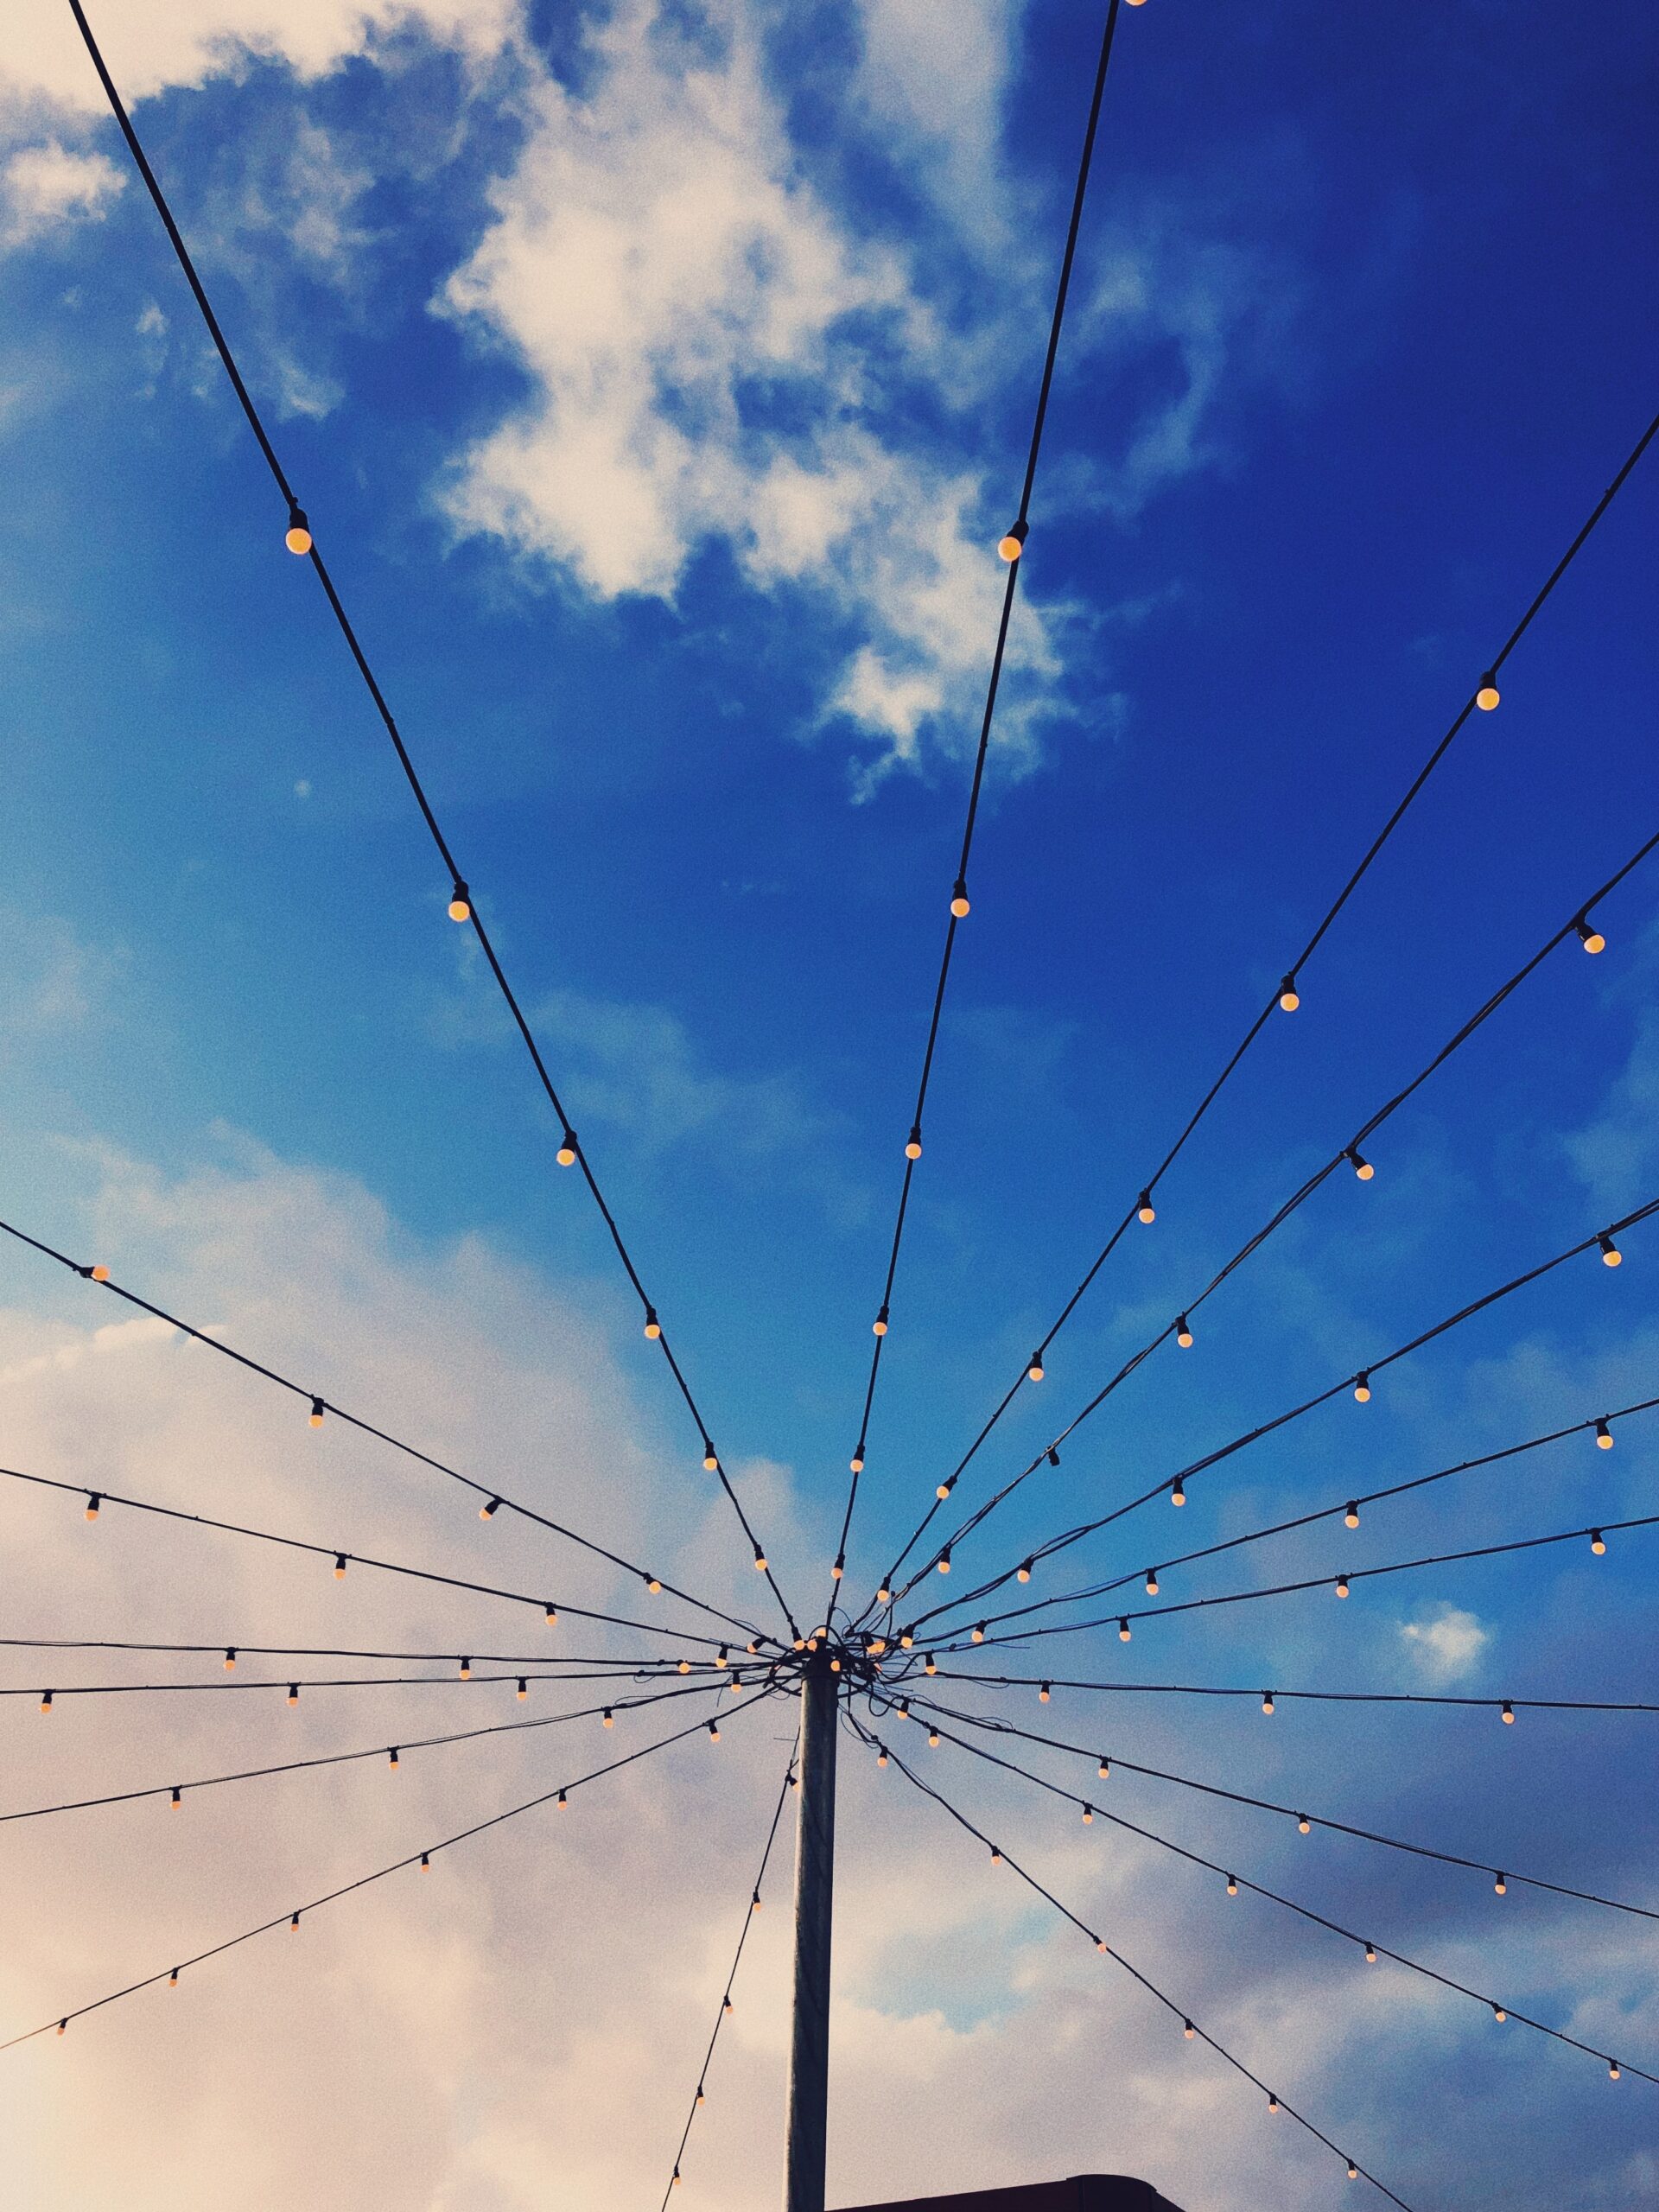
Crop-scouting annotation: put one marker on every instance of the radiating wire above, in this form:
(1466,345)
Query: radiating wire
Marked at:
(1308,1697)
(1117,1957)
(1017,534)
(463,894)
(656,1671)
(1302,958)
(749,1911)
(315,1905)
(231,1647)
(319,1405)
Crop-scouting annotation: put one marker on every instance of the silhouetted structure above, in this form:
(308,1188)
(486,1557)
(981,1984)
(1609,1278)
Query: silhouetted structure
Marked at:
(1082,2193)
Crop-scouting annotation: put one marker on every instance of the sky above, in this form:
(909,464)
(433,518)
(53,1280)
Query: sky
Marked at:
(658,377)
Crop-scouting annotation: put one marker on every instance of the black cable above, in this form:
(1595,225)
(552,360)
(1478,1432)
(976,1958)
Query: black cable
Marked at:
(1599,1239)
(321,1405)
(462,892)
(1317,1582)
(749,1911)
(1017,535)
(995,1725)
(656,1672)
(1306,1912)
(1302,958)
(1117,1957)
(1596,1423)
(347,1889)
(1348,1155)
(346,1759)
(291,1651)
(1307,1697)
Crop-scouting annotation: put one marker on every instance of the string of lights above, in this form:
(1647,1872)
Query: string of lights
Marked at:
(463,908)
(1108,1763)
(1339,1582)
(1269,1699)
(1373,1951)
(749,1911)
(233,1651)
(1191,2028)
(423,1859)
(1576,926)
(1360,1383)
(174,1792)
(343,1558)
(1287,996)
(1599,1425)
(1012,548)
(496,1502)
(293,1686)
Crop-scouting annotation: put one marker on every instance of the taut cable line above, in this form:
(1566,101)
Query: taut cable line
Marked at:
(1012,548)
(1348,1155)
(321,1407)
(292,1685)
(1286,995)
(462,904)
(1270,1698)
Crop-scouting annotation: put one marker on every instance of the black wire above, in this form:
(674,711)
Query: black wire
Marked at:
(347,1889)
(1330,1512)
(994,1725)
(1302,958)
(288,1652)
(654,1672)
(1280,1421)
(749,1911)
(215,1343)
(1317,1582)
(1117,1957)
(1062,289)
(346,1758)
(1308,1697)
(1306,1912)
(1346,1152)
(456,874)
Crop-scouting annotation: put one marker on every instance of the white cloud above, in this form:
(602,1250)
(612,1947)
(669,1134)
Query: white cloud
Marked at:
(44,188)
(1446,1644)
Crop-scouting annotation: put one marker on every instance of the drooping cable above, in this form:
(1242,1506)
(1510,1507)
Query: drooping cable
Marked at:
(749,1911)
(463,902)
(1012,550)
(1307,1697)
(654,1671)
(1276,2103)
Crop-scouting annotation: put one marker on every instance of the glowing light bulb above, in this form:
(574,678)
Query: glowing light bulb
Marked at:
(62,2024)
(1045,1694)
(1144,1209)
(1500,1887)
(490,1508)
(933,1739)
(930,1665)
(711,1458)
(1232,1886)
(1489,695)
(685,1665)
(1499,2014)
(1176,1493)
(653,1326)
(1591,939)
(1604,1438)
(1124,1631)
(98,1272)
(173,1979)
(461,903)
(466,1670)
(878,1645)
(1303,1824)
(1273,2102)
(1023,1573)
(1353,2170)
(1342,1586)
(1013,542)
(714,1732)
(1188,2030)
(942,1490)
(1266,1701)
(881,1759)
(913,1143)
(997,1856)
(1612,2069)
(883,1596)
(293,1693)
(177,1798)
(550,1613)
(1611,1255)
(566,1154)
(230,1657)
(1289,997)
(1151,1582)
(1363,1387)
(316,1414)
(838,1570)
(754,1901)
(426,1862)
(1034,1372)
(1370,1955)
(905,1639)
(1508,1714)
(760,1560)
(856,1463)
(1105,1769)
(701,2094)
(1360,1165)
(1183,1332)
(392,1757)
(607,1718)
(1088,1816)
(523,1691)
(93,1501)
(959,906)
(1597,1542)
(297,536)
(879,1326)
(294,1924)
(1350,1513)
(979,1632)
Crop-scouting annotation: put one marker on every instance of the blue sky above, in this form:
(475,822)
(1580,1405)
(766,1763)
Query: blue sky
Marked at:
(658,383)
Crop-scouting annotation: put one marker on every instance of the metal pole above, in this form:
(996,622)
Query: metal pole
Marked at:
(814,1855)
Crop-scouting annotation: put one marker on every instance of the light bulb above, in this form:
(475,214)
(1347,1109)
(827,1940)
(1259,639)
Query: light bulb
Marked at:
(838,1570)
(1088,1816)
(339,1567)
(178,1796)
(1232,1886)
(1342,1586)
(1034,1372)
(1105,1768)
(1612,2069)
(959,906)
(1273,2102)
(685,1665)
(1362,1166)
(1597,1542)
(653,1326)
(1499,2014)
(711,1458)
(1144,1209)
(1188,2030)
(654,1584)
(1289,997)
(466,1670)
(426,1862)
(1508,1714)
(760,1560)
(98,1272)
(173,1979)
(997,1856)
(1488,695)
(1045,1693)
(933,1739)
(93,1501)
(913,1143)
(1303,1824)
(906,1638)
(566,1154)
(1183,1332)
(1363,1387)
(879,1326)
(1350,1513)
(1151,1582)
(1013,542)
(293,1924)
(1023,1573)
(979,1632)
(1611,1255)
(1604,1437)
(1266,1701)
(1591,939)
(1176,1493)
(904,1708)
(714,1732)
(230,1657)
(943,1562)
(1353,2170)
(293,1693)
(1053,1457)
(391,1756)
(877,1645)
(1124,1631)
(550,1613)
(754,1901)
(930,1665)
(490,1508)
(607,1718)
(562,1802)
(461,903)
(881,1759)
(727,2004)
(883,1596)
(856,1463)
(1370,1955)
(62,2024)
(523,1690)
(701,2094)
(1500,1887)
(316,1413)
(942,1490)
(297,536)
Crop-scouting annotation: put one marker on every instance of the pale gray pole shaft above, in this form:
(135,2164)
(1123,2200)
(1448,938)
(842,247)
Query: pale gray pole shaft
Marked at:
(815,1857)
